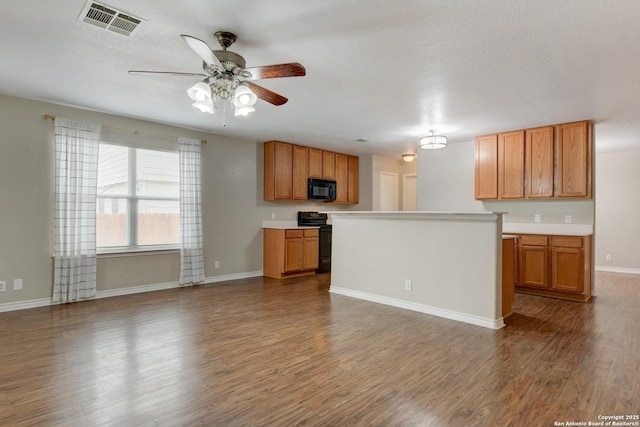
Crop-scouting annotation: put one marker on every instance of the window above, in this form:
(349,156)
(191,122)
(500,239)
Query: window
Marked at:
(138,199)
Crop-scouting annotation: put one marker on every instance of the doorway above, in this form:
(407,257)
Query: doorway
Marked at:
(409,189)
(389,191)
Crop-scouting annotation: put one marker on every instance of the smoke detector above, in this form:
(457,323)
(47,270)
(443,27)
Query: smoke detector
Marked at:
(110,18)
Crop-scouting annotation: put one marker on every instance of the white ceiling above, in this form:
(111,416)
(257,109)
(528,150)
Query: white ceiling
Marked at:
(386,71)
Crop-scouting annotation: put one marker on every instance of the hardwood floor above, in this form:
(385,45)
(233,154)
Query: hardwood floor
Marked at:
(264,352)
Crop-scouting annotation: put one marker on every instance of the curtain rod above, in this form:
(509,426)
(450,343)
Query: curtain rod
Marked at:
(135,132)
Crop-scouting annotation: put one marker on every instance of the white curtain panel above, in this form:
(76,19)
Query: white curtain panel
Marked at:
(191,258)
(76,169)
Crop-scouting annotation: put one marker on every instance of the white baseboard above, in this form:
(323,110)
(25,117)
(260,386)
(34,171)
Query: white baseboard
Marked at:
(136,290)
(422,308)
(23,305)
(43,302)
(235,276)
(617,269)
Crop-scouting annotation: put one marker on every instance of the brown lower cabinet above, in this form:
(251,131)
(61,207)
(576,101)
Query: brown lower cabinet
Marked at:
(555,266)
(508,274)
(290,252)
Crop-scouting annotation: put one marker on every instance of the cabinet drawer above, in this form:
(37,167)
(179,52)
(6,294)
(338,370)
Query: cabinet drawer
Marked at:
(293,233)
(533,240)
(567,241)
(311,232)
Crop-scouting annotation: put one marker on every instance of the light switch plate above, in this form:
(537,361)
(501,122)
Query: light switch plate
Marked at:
(3,286)
(17,284)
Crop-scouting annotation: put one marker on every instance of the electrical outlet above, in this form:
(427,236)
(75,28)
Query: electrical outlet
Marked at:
(608,257)
(216,264)
(407,285)
(537,218)
(567,219)
(17,284)
(3,286)
(273,215)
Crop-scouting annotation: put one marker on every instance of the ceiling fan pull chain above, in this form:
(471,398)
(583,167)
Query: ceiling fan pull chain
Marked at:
(224,114)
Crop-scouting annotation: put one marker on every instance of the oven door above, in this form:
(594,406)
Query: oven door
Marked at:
(324,261)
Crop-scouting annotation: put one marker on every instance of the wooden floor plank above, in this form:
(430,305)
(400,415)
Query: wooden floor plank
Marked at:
(268,352)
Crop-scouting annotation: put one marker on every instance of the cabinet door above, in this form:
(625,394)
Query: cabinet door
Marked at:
(539,162)
(487,167)
(328,165)
(283,171)
(342,178)
(293,247)
(315,163)
(311,249)
(353,180)
(300,172)
(573,174)
(511,165)
(567,265)
(533,266)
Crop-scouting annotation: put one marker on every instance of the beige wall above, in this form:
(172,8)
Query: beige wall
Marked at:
(446,182)
(617,208)
(233,209)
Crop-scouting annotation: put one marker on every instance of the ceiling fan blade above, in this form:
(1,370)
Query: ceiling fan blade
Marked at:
(266,94)
(165,73)
(292,69)
(203,50)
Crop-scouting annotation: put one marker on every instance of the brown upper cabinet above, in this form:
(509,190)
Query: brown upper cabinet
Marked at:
(287,168)
(278,166)
(328,165)
(487,167)
(574,149)
(315,163)
(539,162)
(353,193)
(342,178)
(300,172)
(511,165)
(547,162)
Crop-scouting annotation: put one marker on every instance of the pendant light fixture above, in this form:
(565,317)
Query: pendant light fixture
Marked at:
(433,141)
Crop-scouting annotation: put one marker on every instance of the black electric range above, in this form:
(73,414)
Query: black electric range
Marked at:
(319,219)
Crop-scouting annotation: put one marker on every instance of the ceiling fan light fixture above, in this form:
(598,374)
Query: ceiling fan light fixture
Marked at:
(244,97)
(206,106)
(199,92)
(244,111)
(433,141)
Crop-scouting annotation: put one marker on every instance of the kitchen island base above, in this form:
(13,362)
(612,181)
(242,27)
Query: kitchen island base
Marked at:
(444,264)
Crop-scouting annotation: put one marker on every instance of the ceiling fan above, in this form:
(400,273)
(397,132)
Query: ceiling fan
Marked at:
(227,78)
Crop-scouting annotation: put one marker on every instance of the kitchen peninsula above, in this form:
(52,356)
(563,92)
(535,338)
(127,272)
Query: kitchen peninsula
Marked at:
(445,264)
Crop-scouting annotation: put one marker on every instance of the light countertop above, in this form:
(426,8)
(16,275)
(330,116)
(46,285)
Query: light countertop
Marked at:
(549,229)
(424,215)
(285,224)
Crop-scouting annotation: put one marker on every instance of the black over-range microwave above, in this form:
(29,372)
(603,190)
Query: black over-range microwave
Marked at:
(321,189)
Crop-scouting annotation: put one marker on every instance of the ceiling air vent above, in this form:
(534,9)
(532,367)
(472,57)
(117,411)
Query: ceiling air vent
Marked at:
(109,18)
